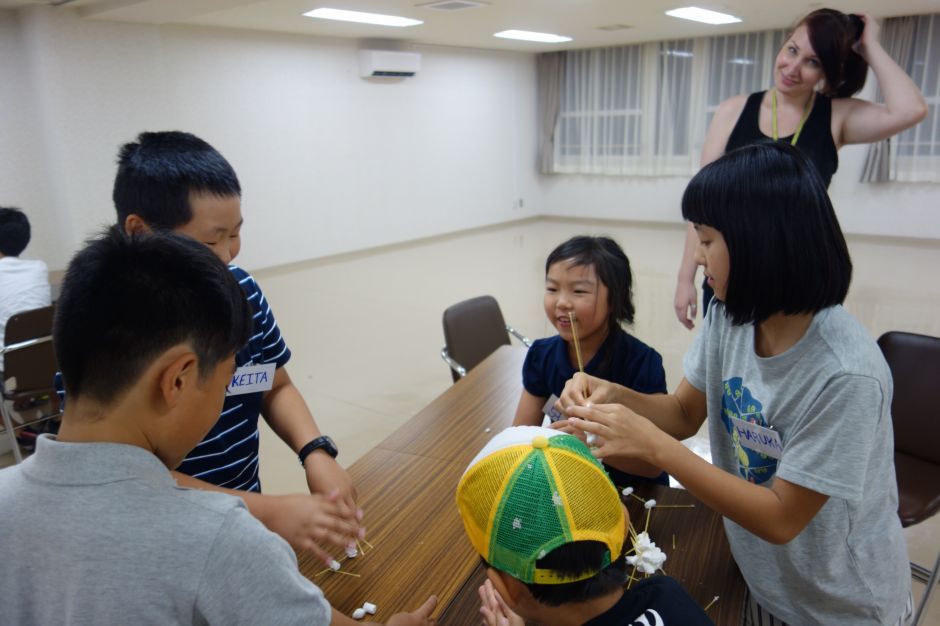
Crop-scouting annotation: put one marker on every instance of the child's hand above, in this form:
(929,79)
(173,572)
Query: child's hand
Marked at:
(583,389)
(494,609)
(325,475)
(310,522)
(620,431)
(566,427)
(420,617)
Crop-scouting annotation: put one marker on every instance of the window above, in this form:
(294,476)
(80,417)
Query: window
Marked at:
(643,110)
(917,150)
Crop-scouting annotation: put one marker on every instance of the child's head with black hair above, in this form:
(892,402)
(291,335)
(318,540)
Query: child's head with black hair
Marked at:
(175,181)
(590,277)
(14,231)
(544,515)
(148,324)
(769,239)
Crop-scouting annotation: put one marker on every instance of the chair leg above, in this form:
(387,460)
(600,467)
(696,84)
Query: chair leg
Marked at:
(919,572)
(922,606)
(11,434)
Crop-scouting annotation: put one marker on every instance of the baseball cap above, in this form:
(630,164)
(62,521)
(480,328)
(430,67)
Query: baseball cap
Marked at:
(531,490)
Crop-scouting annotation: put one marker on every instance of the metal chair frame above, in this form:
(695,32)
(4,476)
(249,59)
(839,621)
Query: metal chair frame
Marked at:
(9,396)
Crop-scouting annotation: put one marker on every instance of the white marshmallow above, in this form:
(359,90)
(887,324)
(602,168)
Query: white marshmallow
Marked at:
(590,438)
(334,565)
(369,608)
(359,613)
(627,491)
(352,552)
(649,503)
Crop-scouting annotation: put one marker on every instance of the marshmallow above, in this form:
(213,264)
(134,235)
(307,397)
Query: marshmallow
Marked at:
(334,565)
(351,551)
(369,608)
(486,430)
(650,503)
(359,613)
(648,557)
(627,491)
(590,438)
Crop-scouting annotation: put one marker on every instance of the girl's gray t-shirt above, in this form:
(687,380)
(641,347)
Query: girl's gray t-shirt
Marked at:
(829,400)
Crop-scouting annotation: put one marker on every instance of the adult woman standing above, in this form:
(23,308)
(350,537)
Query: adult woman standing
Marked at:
(822,64)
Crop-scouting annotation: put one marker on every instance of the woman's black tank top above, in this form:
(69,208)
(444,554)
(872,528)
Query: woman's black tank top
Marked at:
(815,140)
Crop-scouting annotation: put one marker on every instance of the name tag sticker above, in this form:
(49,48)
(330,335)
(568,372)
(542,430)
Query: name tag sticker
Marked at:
(550,411)
(758,438)
(251,379)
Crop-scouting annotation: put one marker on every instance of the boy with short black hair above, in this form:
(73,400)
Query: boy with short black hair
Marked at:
(175,181)
(544,515)
(146,332)
(24,283)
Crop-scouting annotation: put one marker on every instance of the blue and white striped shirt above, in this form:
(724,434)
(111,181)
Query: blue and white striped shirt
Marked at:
(228,455)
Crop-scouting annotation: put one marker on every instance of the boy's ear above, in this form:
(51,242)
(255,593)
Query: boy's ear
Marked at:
(135,224)
(176,377)
(511,589)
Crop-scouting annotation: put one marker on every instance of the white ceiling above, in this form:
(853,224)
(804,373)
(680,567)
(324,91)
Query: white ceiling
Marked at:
(579,19)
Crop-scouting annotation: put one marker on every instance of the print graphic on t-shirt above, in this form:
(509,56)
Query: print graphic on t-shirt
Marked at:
(738,402)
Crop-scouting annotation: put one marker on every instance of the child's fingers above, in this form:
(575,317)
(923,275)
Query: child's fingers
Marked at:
(425,610)
(321,554)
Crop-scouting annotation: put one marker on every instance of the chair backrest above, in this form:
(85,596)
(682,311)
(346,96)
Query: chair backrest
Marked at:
(915,367)
(474,329)
(34,367)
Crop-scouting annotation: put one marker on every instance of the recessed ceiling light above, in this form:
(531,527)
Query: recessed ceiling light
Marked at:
(453,5)
(526,35)
(741,61)
(703,15)
(364,18)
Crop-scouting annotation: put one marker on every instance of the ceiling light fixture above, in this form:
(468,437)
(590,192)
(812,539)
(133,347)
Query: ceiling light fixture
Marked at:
(703,15)
(526,35)
(363,18)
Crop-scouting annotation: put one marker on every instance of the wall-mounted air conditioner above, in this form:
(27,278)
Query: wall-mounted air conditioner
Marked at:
(388,63)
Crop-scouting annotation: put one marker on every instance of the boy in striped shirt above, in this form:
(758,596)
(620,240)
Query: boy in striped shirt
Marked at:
(174,181)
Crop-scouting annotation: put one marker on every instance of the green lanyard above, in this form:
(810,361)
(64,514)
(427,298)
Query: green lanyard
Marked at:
(806,109)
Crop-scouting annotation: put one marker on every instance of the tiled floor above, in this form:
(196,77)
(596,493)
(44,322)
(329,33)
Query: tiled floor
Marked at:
(365,328)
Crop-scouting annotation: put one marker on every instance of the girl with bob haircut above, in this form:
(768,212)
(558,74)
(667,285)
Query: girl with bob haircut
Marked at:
(797,396)
(821,66)
(590,278)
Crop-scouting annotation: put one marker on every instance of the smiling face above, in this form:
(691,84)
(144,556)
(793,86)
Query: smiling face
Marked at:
(216,222)
(712,255)
(576,288)
(797,69)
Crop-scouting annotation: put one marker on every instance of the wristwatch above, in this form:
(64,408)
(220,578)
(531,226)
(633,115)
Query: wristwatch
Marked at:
(323,442)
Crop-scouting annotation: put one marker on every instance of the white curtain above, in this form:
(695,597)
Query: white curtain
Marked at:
(914,155)
(643,110)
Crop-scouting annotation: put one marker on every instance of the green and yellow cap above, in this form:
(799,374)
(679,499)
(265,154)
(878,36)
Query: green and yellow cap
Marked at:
(531,490)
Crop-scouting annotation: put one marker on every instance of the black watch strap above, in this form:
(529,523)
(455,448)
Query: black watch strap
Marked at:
(322,442)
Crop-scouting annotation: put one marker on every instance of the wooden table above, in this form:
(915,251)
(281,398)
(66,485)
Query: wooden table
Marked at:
(406,486)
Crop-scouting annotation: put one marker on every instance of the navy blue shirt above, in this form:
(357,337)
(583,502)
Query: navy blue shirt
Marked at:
(654,600)
(228,455)
(631,363)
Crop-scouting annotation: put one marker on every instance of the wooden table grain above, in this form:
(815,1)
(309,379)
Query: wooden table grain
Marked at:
(406,486)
